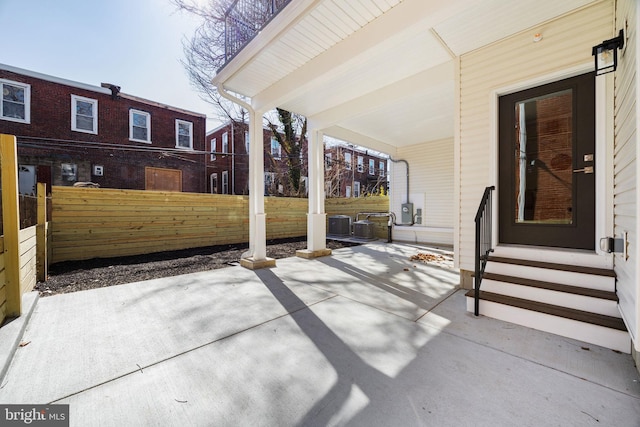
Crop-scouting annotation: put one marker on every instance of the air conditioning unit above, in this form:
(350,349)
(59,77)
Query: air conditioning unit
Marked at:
(364,230)
(340,225)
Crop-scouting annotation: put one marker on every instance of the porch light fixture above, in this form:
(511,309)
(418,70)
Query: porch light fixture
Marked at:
(606,54)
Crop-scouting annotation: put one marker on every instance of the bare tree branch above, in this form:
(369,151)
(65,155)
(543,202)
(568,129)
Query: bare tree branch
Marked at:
(204,54)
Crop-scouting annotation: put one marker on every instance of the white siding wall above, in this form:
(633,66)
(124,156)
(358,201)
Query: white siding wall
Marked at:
(431,189)
(508,66)
(626,167)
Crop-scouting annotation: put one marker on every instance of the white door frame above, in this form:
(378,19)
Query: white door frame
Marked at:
(604,156)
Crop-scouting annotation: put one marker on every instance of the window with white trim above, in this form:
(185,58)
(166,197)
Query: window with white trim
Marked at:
(327,161)
(139,126)
(360,164)
(214,183)
(225,182)
(16,101)
(214,145)
(276,148)
(372,167)
(381,168)
(69,171)
(347,161)
(348,191)
(269,181)
(225,142)
(356,189)
(184,134)
(84,114)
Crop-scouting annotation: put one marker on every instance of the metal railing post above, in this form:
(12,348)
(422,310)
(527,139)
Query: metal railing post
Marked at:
(244,19)
(484,245)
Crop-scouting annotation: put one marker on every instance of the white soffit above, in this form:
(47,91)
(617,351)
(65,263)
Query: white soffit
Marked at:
(338,60)
(488,21)
(427,115)
(330,22)
(414,110)
(416,53)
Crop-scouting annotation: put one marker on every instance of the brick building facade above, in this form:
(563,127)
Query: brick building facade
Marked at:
(349,171)
(228,161)
(353,172)
(71,132)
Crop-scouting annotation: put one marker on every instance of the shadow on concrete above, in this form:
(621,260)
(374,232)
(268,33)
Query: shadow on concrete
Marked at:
(350,368)
(420,299)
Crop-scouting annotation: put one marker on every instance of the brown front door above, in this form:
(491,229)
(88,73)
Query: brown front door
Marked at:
(547,165)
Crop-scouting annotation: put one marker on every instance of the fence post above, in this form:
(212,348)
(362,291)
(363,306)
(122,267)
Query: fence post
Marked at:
(41,234)
(11,223)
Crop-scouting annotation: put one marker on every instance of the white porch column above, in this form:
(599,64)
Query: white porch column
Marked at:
(257,255)
(316,218)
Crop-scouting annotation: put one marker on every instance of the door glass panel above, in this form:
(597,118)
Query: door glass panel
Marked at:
(544,158)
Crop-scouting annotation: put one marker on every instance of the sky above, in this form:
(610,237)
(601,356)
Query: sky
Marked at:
(134,44)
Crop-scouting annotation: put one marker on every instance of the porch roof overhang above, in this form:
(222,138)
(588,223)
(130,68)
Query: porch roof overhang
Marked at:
(378,73)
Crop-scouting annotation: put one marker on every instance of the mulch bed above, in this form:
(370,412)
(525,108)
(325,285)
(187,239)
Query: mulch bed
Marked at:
(72,276)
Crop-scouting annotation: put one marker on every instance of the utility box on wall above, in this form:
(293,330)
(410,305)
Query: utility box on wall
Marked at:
(407,213)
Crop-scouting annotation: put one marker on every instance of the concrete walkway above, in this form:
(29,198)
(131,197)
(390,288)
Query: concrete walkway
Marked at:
(365,337)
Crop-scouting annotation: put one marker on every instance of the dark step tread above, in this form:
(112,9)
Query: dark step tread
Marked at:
(552,266)
(576,290)
(554,310)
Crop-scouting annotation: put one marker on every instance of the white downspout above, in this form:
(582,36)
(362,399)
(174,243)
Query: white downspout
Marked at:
(233,158)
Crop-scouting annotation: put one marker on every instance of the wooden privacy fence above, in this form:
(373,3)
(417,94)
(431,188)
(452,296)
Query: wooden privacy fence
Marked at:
(353,206)
(102,223)
(23,252)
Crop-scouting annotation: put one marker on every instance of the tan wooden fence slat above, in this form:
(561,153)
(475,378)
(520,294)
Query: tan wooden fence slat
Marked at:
(11,224)
(89,223)
(41,233)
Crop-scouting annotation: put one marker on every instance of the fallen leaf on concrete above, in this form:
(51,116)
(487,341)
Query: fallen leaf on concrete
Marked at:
(427,257)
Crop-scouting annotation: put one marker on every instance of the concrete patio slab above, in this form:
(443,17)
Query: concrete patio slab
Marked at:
(342,363)
(12,331)
(589,362)
(379,275)
(81,339)
(354,339)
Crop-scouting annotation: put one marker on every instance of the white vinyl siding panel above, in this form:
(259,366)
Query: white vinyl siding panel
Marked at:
(626,177)
(431,172)
(566,44)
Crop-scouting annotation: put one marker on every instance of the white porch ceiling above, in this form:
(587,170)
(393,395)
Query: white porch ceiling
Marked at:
(379,71)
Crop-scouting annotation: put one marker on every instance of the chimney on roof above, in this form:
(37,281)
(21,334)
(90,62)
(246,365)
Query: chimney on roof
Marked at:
(115,90)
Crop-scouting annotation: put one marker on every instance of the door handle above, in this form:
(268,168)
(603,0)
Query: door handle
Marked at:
(586,169)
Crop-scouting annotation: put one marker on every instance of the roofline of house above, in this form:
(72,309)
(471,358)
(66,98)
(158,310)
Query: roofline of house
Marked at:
(362,150)
(98,89)
(334,144)
(228,124)
(220,127)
